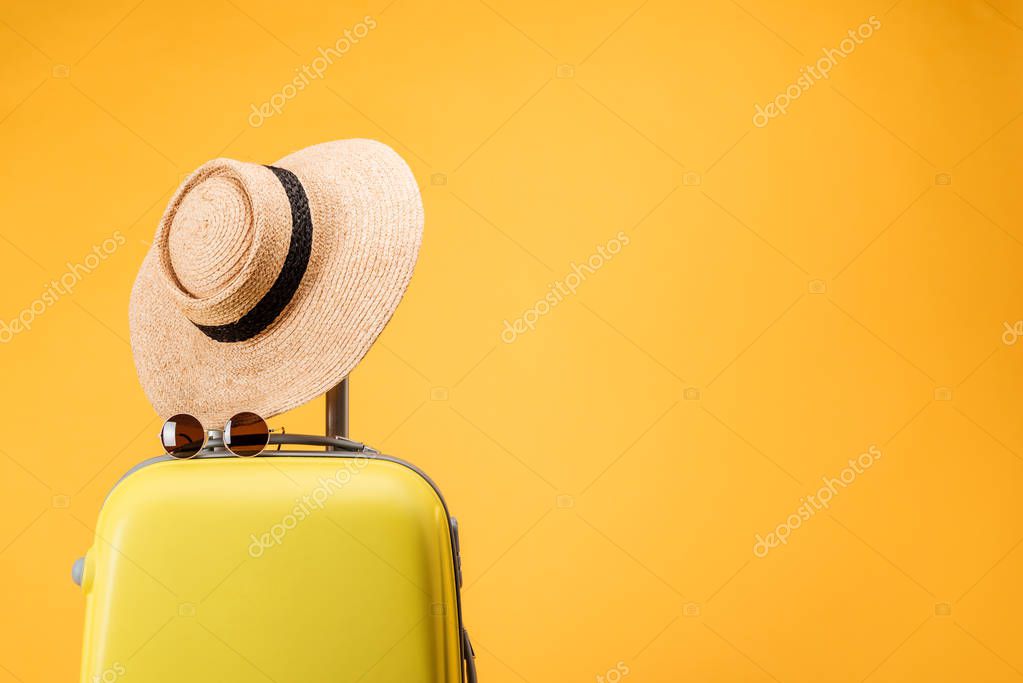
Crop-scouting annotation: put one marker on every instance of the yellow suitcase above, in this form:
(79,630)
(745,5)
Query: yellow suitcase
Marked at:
(308,566)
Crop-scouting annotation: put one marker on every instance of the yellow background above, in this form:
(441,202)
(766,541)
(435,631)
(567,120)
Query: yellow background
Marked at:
(790,295)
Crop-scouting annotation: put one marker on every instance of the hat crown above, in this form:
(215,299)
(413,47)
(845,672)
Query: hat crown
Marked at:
(210,237)
(223,240)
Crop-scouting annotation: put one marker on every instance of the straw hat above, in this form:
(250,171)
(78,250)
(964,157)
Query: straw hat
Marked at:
(266,285)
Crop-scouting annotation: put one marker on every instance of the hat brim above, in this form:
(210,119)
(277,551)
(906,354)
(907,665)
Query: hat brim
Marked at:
(367,227)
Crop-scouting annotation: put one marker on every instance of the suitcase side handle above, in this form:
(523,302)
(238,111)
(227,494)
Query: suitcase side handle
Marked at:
(469,655)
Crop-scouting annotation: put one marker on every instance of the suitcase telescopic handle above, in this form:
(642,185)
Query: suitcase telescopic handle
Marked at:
(337,410)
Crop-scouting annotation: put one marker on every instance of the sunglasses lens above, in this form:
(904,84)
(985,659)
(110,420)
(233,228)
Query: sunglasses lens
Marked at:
(246,435)
(182,436)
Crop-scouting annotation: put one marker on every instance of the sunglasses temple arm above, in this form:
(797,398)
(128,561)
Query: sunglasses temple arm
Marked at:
(332,443)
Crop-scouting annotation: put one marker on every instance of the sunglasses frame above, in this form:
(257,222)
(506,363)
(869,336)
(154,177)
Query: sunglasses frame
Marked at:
(173,419)
(220,440)
(227,430)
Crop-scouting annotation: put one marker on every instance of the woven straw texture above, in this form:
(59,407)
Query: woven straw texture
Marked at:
(222,244)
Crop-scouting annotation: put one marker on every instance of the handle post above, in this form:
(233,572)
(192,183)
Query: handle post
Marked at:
(337,410)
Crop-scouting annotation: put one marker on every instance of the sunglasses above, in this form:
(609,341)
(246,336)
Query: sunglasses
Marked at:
(183,436)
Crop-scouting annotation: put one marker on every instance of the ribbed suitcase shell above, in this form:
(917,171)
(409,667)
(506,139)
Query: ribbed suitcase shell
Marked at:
(313,568)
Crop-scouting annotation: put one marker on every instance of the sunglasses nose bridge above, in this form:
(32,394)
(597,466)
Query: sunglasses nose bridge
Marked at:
(245,435)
